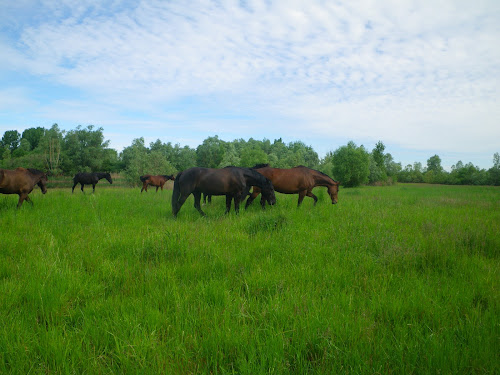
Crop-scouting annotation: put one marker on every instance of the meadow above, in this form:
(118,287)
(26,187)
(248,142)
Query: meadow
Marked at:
(401,279)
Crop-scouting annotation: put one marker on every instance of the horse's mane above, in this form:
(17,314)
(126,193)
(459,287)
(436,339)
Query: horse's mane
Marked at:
(262,165)
(315,170)
(35,171)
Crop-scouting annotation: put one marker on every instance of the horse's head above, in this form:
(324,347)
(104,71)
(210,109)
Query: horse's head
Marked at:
(108,177)
(42,183)
(333,191)
(267,191)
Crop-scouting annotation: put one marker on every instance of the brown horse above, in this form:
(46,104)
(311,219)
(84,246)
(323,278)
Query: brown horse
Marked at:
(298,180)
(22,181)
(157,181)
(233,182)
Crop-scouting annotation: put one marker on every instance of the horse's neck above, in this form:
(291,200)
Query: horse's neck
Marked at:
(100,176)
(323,180)
(254,180)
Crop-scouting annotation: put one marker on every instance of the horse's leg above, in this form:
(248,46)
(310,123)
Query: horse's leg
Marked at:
(144,186)
(262,202)
(81,183)
(93,188)
(197,200)
(254,195)
(228,203)
(177,206)
(22,197)
(310,194)
(157,189)
(28,199)
(237,199)
(302,194)
(73,188)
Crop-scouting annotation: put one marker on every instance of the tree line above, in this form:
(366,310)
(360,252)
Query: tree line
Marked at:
(84,149)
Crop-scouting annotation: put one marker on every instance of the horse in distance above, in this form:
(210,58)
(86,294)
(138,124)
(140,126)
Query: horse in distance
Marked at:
(298,180)
(233,182)
(89,179)
(21,181)
(157,181)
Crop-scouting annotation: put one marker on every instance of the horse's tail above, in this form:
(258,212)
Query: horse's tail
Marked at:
(176,194)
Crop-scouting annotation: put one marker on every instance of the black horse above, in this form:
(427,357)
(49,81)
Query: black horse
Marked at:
(90,179)
(233,182)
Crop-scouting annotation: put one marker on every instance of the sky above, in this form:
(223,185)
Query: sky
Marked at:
(421,76)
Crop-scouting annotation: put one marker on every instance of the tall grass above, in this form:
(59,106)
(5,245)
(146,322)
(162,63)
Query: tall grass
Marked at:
(400,279)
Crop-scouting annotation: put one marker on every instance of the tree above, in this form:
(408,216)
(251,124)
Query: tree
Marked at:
(23,149)
(49,148)
(85,149)
(230,157)
(251,156)
(434,164)
(494,172)
(351,165)
(33,136)
(210,153)
(10,139)
(143,162)
(379,156)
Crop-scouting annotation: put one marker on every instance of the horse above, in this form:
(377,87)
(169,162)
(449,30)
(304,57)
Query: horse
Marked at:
(298,180)
(232,182)
(21,181)
(89,179)
(157,181)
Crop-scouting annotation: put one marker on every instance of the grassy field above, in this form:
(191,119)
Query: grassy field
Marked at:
(401,280)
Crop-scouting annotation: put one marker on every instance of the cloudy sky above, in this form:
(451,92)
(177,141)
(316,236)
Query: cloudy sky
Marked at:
(422,76)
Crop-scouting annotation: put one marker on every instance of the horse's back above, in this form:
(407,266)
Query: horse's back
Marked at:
(212,181)
(14,181)
(289,181)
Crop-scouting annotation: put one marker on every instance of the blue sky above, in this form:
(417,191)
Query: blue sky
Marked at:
(422,76)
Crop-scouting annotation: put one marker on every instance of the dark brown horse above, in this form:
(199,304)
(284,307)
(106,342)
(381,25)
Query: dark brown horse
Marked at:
(22,181)
(157,181)
(89,179)
(299,180)
(233,182)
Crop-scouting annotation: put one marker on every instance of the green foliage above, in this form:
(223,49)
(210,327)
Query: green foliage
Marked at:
(33,136)
(210,153)
(251,156)
(230,157)
(434,164)
(84,150)
(142,161)
(398,280)
(351,165)
(10,139)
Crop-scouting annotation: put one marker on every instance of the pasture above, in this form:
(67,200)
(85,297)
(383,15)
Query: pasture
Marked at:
(401,280)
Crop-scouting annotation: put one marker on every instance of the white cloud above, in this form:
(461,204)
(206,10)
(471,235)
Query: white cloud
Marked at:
(391,70)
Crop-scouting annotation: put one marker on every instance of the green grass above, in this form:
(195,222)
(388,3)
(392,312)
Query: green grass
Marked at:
(400,279)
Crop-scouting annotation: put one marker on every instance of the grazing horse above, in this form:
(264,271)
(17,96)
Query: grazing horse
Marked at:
(22,181)
(233,182)
(89,179)
(157,181)
(298,180)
